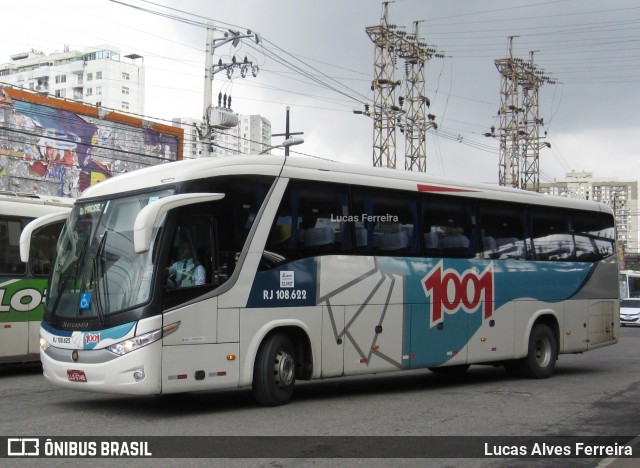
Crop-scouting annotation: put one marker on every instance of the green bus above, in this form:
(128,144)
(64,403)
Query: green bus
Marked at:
(23,286)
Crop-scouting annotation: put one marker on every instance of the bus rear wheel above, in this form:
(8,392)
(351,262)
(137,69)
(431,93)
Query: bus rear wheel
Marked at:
(540,361)
(274,371)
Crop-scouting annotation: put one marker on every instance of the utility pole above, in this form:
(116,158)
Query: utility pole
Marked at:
(221,117)
(519,132)
(287,133)
(417,120)
(415,133)
(408,114)
(508,164)
(383,87)
(205,140)
(532,80)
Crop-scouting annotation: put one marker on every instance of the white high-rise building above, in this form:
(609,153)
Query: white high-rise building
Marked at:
(192,147)
(621,196)
(98,76)
(252,135)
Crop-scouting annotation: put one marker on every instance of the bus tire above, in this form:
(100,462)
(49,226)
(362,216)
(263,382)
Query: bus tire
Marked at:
(540,361)
(274,371)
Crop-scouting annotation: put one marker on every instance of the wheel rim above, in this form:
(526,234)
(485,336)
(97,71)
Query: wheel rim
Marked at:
(284,368)
(543,351)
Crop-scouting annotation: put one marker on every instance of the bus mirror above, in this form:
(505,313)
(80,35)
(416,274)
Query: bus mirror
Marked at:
(29,229)
(146,219)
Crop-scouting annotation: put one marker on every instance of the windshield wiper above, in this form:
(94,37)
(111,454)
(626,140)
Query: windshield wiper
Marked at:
(65,279)
(98,267)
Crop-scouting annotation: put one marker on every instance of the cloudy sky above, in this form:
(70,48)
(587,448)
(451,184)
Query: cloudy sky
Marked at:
(316,58)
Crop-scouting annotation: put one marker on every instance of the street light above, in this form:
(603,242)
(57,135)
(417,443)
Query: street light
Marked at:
(285,144)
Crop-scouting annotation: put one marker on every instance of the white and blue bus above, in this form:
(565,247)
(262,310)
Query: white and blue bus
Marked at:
(260,271)
(629,284)
(23,285)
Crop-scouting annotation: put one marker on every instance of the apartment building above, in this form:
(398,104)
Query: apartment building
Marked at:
(251,136)
(98,76)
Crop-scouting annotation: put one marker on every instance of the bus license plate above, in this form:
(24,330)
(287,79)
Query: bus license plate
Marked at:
(76,375)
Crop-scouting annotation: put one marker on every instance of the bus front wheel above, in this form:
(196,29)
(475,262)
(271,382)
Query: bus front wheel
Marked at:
(274,371)
(540,361)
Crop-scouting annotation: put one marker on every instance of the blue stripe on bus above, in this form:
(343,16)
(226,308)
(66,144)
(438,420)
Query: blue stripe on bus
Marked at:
(115,333)
(55,331)
(90,339)
(514,279)
(472,289)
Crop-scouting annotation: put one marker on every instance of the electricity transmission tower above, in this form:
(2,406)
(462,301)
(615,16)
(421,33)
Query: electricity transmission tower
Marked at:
(519,136)
(406,113)
(385,112)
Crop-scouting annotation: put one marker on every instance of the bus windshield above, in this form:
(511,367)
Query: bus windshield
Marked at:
(96,271)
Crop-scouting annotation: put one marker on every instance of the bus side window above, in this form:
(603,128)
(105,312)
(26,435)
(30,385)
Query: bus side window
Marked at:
(311,220)
(447,227)
(386,222)
(594,235)
(10,247)
(502,231)
(551,235)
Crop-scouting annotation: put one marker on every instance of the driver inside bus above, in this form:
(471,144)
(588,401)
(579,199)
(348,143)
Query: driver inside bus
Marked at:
(186,271)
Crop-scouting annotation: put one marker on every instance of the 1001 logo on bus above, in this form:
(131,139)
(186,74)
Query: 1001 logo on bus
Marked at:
(451,291)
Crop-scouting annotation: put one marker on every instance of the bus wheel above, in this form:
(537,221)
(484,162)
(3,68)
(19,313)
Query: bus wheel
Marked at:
(274,371)
(541,358)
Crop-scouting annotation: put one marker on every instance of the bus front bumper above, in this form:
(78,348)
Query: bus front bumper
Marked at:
(135,373)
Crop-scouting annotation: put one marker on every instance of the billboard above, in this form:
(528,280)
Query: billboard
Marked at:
(52,146)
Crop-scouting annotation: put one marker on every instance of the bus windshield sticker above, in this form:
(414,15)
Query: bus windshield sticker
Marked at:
(85,301)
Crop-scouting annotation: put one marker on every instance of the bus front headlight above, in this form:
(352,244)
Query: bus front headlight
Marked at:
(137,342)
(44,344)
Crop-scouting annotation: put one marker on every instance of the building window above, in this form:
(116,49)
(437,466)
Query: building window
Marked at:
(125,105)
(125,90)
(89,76)
(61,93)
(98,90)
(98,75)
(89,91)
(125,76)
(61,78)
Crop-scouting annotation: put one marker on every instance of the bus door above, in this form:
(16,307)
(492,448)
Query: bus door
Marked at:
(13,314)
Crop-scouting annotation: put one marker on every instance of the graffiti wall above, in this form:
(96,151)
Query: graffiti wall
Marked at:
(55,147)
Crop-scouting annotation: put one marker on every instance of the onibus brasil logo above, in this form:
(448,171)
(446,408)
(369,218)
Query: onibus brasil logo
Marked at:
(450,291)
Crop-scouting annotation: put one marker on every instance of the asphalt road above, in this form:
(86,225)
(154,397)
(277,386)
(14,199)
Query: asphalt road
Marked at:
(593,394)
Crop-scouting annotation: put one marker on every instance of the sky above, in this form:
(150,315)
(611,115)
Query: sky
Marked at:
(316,58)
